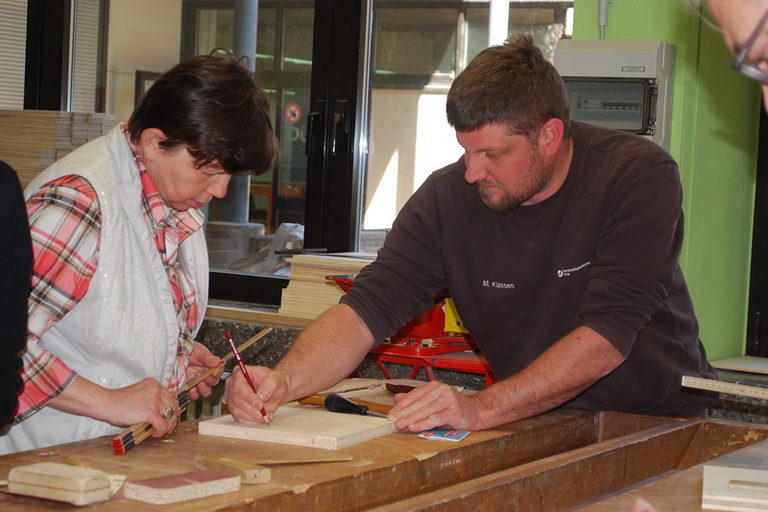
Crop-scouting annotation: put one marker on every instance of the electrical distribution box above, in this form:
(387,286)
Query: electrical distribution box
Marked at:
(619,84)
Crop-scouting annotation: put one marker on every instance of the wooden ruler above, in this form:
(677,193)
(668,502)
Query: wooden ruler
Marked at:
(725,387)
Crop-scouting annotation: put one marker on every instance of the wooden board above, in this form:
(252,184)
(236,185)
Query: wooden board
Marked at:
(303,427)
(166,489)
(382,470)
(743,364)
(248,472)
(31,140)
(737,481)
(682,490)
(309,293)
(677,491)
(61,482)
(563,458)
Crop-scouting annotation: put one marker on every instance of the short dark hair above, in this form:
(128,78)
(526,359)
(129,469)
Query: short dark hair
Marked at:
(510,84)
(214,107)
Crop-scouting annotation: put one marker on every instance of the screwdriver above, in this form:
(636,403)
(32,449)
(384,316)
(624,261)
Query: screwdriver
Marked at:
(337,403)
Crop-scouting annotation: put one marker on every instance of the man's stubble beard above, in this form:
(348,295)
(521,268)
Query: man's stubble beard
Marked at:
(539,175)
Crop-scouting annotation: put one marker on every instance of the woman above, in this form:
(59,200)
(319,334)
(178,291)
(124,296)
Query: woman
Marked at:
(120,273)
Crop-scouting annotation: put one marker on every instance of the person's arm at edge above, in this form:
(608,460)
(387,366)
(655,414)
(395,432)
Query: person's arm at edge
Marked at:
(563,371)
(567,368)
(45,375)
(326,352)
(48,380)
(15,277)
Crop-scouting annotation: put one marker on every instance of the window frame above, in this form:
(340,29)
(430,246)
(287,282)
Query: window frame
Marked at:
(339,92)
(332,177)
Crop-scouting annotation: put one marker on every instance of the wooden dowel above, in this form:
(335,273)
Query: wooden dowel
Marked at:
(195,381)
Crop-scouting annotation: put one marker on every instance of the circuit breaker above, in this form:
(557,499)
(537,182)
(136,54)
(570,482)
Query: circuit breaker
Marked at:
(619,84)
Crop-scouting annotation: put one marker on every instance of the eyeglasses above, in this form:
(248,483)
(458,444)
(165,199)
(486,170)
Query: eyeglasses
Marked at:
(745,67)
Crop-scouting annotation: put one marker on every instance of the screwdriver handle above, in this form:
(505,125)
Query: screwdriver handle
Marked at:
(312,400)
(336,403)
(319,399)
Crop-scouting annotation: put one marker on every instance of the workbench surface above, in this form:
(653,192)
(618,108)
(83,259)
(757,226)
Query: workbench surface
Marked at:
(556,461)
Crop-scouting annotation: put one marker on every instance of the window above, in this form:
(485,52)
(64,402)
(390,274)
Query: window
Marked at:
(261,214)
(418,48)
(13,35)
(360,119)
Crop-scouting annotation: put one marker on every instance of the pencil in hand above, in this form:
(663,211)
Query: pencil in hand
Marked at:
(241,364)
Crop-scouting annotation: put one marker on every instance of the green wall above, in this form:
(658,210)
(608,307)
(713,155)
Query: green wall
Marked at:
(714,132)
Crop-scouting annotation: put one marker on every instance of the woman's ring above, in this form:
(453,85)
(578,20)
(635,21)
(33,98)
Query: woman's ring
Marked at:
(167,413)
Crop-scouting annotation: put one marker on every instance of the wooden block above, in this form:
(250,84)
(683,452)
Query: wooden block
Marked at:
(33,132)
(737,481)
(181,487)
(734,489)
(60,482)
(249,472)
(309,293)
(302,427)
(749,364)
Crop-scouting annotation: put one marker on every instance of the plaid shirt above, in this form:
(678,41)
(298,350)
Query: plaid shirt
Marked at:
(65,225)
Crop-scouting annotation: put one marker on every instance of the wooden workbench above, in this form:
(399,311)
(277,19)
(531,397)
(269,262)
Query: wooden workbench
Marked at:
(555,461)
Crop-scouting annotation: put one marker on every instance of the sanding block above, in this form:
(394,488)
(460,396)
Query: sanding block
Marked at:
(181,487)
(60,482)
(249,472)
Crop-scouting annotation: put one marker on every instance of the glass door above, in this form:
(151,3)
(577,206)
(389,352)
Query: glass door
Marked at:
(306,55)
(262,216)
(417,48)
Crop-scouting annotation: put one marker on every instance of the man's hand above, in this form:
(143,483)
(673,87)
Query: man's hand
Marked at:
(245,405)
(200,360)
(433,405)
(329,349)
(564,370)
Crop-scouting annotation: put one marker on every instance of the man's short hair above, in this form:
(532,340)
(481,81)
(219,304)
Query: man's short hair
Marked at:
(214,107)
(510,84)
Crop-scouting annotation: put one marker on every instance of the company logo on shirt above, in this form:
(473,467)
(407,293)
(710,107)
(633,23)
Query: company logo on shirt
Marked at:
(568,271)
(496,284)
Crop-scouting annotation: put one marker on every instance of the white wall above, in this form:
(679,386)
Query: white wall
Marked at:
(409,138)
(143,35)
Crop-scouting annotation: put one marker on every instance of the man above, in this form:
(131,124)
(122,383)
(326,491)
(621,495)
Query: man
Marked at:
(120,272)
(558,242)
(745,29)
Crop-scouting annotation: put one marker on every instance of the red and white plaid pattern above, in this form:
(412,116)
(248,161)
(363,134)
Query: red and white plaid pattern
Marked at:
(65,225)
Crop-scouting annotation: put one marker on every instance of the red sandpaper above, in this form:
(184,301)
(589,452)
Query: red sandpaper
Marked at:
(182,486)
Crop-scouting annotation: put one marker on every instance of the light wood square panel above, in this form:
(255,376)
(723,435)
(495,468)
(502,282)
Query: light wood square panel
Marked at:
(303,427)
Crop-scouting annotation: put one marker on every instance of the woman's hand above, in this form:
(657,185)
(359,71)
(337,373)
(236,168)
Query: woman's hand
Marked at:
(200,360)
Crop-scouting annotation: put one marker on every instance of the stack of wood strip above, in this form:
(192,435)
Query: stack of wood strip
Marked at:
(309,293)
(31,140)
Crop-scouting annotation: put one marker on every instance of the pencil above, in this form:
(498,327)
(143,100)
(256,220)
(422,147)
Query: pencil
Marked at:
(241,364)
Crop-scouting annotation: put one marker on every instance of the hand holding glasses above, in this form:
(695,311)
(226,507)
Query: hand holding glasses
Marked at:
(748,68)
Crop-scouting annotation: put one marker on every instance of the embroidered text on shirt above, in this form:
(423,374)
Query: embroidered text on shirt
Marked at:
(496,284)
(568,271)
